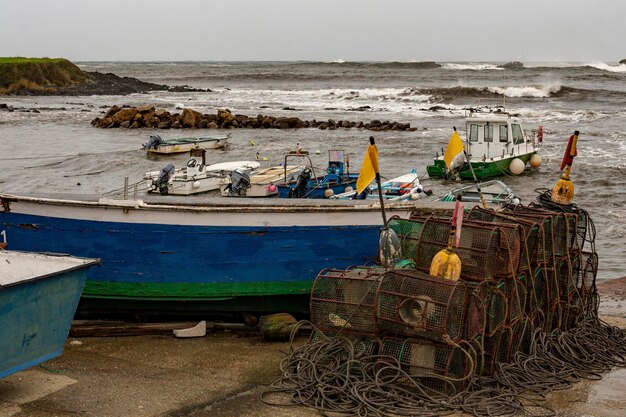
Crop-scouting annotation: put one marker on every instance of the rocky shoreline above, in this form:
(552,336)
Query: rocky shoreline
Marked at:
(151,117)
(97,83)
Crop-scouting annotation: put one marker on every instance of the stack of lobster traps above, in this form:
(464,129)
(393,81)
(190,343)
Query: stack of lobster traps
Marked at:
(523,268)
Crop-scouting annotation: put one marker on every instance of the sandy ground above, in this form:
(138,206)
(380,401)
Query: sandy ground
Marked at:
(221,374)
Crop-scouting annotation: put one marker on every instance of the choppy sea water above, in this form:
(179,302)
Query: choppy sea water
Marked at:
(57,150)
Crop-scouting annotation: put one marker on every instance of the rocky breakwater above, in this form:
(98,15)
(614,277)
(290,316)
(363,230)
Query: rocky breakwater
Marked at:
(151,117)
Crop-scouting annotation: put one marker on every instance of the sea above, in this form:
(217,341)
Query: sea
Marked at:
(47,143)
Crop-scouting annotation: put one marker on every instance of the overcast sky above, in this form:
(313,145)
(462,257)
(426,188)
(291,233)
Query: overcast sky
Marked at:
(321,30)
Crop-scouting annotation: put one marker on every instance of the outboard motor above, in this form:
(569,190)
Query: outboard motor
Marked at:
(163,179)
(302,182)
(239,181)
(155,140)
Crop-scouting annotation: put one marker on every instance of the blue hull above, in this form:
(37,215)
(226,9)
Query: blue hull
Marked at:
(35,319)
(283,190)
(186,262)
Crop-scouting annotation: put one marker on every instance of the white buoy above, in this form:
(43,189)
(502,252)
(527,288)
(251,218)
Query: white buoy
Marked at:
(328,193)
(535,161)
(348,189)
(515,201)
(517,166)
(317,152)
(196,184)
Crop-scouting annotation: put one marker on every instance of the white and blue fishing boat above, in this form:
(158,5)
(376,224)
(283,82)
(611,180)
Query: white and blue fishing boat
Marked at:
(309,185)
(38,298)
(241,254)
(404,187)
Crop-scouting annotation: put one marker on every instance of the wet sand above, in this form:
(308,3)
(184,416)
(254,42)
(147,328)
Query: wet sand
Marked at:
(222,374)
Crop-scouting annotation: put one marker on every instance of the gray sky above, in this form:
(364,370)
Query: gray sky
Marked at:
(321,30)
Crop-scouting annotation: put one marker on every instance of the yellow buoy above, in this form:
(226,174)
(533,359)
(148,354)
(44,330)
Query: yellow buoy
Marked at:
(563,190)
(446,264)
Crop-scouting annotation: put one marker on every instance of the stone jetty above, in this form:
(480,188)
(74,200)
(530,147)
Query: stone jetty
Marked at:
(151,117)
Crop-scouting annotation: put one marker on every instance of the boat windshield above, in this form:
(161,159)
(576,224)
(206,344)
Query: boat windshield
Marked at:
(518,136)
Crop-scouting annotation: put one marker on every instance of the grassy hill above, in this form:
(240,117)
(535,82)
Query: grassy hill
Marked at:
(45,75)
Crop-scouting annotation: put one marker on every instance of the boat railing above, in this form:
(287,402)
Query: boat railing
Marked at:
(304,157)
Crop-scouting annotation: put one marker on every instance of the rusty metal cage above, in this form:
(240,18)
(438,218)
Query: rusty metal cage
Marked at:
(585,272)
(495,305)
(515,292)
(555,225)
(414,304)
(479,248)
(531,233)
(437,365)
(565,278)
(512,245)
(496,348)
(343,301)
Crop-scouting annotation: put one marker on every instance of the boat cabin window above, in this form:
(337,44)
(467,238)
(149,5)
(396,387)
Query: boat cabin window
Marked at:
(518,136)
(489,133)
(504,134)
(473,133)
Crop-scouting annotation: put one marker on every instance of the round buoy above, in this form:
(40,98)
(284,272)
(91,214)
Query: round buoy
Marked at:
(535,161)
(196,184)
(318,152)
(271,188)
(328,192)
(414,196)
(348,189)
(446,264)
(517,166)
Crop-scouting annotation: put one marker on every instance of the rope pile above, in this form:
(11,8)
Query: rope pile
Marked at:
(534,329)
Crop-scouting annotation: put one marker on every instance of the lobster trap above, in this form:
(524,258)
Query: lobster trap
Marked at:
(496,348)
(414,304)
(343,301)
(439,366)
(479,248)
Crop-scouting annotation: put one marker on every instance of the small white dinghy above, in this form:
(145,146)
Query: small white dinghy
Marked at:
(194,178)
(260,183)
(156,144)
(404,187)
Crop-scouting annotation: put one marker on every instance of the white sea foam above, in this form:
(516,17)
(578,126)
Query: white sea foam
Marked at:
(338,61)
(606,67)
(470,66)
(539,91)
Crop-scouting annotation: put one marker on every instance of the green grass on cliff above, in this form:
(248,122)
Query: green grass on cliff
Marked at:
(38,74)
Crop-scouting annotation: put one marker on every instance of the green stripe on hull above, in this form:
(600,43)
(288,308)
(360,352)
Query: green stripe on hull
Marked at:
(192,291)
(482,170)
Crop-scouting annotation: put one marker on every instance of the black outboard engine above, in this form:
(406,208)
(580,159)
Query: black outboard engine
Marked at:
(299,191)
(163,179)
(239,182)
(155,140)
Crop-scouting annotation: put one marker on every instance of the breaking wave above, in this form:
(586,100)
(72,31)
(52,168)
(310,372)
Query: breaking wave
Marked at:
(606,67)
(538,91)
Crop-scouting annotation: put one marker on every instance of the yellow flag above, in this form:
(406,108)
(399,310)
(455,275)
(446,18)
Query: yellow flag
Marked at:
(369,169)
(455,146)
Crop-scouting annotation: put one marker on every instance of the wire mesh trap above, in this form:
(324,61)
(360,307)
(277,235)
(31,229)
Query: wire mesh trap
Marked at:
(521,319)
(412,303)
